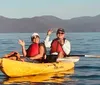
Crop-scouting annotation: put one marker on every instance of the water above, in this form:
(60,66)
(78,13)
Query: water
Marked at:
(86,71)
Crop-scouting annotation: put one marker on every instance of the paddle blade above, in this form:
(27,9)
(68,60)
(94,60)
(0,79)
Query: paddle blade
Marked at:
(69,59)
(92,56)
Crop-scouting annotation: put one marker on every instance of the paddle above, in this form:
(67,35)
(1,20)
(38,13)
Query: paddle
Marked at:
(75,58)
(89,56)
(69,59)
(51,58)
(82,55)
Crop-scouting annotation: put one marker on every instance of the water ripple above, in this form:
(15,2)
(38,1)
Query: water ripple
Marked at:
(87,67)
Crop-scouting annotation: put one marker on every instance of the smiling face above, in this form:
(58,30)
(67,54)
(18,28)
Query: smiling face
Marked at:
(60,35)
(35,39)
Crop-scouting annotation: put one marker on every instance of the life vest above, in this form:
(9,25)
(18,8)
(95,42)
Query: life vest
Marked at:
(33,50)
(56,47)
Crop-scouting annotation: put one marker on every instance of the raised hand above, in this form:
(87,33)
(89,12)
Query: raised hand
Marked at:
(49,32)
(21,42)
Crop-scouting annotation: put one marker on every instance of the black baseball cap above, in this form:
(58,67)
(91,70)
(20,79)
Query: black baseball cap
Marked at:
(60,30)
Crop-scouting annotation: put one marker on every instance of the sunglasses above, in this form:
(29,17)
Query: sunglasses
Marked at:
(60,33)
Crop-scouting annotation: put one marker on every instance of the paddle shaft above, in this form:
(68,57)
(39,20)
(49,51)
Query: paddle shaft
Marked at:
(87,55)
(80,55)
(67,55)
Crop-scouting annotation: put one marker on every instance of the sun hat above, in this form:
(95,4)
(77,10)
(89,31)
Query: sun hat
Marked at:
(35,34)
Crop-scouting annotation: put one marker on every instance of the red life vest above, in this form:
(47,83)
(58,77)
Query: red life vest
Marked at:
(33,49)
(56,47)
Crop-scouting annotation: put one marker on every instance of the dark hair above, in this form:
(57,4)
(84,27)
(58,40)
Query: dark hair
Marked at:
(34,37)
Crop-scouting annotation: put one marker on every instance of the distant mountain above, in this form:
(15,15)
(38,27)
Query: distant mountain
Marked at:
(43,23)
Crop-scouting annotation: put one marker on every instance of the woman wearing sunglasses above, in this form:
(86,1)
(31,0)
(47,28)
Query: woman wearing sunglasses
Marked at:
(59,46)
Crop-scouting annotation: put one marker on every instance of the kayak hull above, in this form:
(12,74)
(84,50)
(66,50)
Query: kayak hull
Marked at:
(50,77)
(13,68)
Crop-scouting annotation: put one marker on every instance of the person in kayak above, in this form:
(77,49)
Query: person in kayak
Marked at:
(59,46)
(34,53)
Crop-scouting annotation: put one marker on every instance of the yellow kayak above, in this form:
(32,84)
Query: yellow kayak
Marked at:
(13,68)
(50,77)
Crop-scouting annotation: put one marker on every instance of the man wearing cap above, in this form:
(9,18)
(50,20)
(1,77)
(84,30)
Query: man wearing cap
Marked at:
(59,46)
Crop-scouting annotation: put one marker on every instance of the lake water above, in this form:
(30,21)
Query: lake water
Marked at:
(86,71)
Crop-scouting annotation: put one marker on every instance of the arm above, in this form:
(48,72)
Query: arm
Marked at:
(22,43)
(46,41)
(40,55)
(66,47)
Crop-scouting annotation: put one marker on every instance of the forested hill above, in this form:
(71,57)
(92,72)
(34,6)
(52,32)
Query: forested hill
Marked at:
(43,23)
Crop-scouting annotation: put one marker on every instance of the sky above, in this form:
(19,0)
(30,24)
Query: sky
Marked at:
(64,9)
